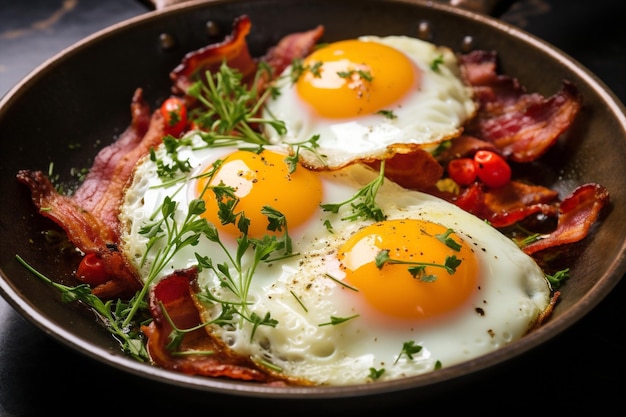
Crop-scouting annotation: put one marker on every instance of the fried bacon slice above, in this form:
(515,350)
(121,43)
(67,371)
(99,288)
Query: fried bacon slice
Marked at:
(577,213)
(103,189)
(298,44)
(201,354)
(522,126)
(417,170)
(234,50)
(464,146)
(507,205)
(90,216)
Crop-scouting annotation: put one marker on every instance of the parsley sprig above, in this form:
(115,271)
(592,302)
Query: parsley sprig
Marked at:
(170,170)
(337,320)
(438,61)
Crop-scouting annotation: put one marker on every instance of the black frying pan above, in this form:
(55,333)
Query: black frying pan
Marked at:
(82,97)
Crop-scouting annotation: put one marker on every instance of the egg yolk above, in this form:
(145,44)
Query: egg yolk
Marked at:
(410,280)
(261,180)
(354,78)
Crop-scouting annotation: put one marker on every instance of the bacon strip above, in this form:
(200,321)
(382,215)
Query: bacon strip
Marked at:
(174,295)
(417,170)
(507,205)
(465,146)
(233,49)
(86,231)
(527,132)
(295,45)
(90,216)
(522,126)
(83,229)
(578,212)
(103,189)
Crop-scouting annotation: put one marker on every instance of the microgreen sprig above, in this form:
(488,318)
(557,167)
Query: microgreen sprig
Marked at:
(298,69)
(409,349)
(230,108)
(418,269)
(364,75)
(165,170)
(388,114)
(448,241)
(558,277)
(366,206)
(434,65)
(233,274)
(376,373)
(310,145)
(114,314)
(176,237)
(337,320)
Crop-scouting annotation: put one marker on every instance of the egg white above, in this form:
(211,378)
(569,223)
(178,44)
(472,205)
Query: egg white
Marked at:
(299,296)
(433,112)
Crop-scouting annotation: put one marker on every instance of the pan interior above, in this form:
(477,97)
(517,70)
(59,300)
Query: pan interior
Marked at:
(66,103)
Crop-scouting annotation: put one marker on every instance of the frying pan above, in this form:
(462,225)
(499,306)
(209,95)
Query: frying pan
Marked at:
(82,97)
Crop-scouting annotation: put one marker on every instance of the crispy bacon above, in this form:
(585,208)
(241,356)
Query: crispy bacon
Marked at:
(463,147)
(417,170)
(103,189)
(174,295)
(578,212)
(506,205)
(522,126)
(291,46)
(86,231)
(233,49)
(83,229)
(90,216)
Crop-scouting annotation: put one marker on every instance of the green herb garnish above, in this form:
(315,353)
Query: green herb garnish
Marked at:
(408,349)
(337,320)
(363,202)
(418,269)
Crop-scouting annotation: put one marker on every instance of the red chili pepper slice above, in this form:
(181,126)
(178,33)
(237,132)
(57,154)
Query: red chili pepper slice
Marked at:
(174,113)
(492,169)
(91,270)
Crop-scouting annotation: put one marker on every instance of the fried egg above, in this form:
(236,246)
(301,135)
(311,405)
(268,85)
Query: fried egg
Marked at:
(370,97)
(355,300)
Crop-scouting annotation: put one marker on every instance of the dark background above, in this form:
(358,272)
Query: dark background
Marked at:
(580,370)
